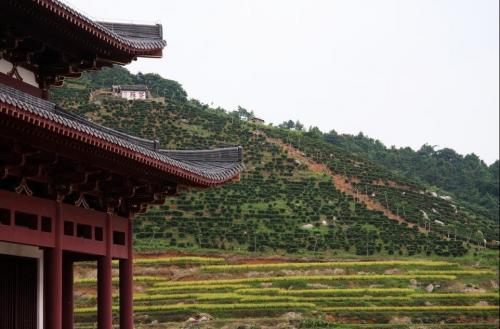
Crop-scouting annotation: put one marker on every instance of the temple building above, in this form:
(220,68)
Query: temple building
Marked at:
(69,188)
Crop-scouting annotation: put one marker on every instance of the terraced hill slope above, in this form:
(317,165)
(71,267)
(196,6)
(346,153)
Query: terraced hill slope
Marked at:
(298,194)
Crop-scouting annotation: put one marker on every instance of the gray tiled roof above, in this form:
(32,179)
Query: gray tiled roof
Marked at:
(135,31)
(218,165)
(131,87)
(142,37)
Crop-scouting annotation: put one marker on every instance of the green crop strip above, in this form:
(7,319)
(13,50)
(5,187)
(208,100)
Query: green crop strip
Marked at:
(318,265)
(328,292)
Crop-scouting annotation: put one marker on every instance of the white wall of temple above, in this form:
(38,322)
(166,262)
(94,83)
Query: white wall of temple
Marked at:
(129,94)
(26,75)
(21,250)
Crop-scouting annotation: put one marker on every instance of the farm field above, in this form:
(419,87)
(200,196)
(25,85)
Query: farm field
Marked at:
(187,291)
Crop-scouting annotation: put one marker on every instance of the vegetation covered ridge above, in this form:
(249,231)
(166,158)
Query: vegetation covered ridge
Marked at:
(281,204)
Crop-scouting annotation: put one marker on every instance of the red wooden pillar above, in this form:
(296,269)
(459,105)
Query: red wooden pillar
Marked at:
(104,282)
(127,285)
(54,274)
(68,318)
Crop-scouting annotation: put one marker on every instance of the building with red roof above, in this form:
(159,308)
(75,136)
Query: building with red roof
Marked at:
(69,188)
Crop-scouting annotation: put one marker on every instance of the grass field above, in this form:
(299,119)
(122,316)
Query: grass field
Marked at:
(184,291)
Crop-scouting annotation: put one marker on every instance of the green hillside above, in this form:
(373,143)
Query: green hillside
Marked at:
(466,177)
(300,193)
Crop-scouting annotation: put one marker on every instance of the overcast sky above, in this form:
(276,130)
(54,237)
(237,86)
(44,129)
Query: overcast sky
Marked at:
(405,72)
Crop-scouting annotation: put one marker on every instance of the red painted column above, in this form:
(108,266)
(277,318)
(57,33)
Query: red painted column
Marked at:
(55,276)
(104,282)
(127,285)
(68,317)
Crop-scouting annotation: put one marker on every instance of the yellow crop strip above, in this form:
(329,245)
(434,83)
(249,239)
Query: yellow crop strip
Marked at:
(185,288)
(353,291)
(197,296)
(409,308)
(137,278)
(182,260)
(454,272)
(364,277)
(208,307)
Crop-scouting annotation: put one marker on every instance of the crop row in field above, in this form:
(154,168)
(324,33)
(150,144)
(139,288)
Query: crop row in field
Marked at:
(208,307)
(304,278)
(320,265)
(137,278)
(352,297)
(176,260)
(298,306)
(327,292)
(454,272)
(413,299)
(181,260)
(206,287)
(162,282)
(400,308)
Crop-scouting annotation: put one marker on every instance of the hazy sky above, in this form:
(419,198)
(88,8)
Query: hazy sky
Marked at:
(407,72)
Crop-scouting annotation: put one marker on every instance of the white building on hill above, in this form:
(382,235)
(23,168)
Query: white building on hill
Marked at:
(131,92)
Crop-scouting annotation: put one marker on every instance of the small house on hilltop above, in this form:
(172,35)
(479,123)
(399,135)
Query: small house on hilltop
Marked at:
(131,92)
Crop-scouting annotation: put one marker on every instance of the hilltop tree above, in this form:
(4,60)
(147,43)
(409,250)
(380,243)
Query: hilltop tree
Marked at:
(161,87)
(299,126)
(287,124)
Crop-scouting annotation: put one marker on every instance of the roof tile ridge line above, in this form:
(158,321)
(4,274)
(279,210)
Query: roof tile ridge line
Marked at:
(131,24)
(111,139)
(114,140)
(209,179)
(234,149)
(239,147)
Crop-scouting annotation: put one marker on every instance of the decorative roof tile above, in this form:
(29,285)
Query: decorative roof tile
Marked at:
(138,37)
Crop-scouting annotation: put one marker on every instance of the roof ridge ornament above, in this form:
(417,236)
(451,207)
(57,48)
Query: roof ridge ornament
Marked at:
(23,187)
(81,202)
(14,73)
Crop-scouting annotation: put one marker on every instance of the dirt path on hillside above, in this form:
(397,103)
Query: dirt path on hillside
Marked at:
(340,182)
